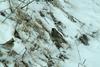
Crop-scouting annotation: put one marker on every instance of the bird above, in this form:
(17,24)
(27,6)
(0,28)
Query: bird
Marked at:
(57,38)
(55,33)
(84,39)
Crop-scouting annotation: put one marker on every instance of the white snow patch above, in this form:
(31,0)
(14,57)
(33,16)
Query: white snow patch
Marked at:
(6,33)
(19,47)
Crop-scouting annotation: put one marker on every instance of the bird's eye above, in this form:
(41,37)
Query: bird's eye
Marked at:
(53,29)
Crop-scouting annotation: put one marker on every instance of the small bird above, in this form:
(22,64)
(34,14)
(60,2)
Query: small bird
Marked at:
(84,39)
(57,38)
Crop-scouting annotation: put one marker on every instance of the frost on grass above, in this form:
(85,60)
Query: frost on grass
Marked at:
(49,33)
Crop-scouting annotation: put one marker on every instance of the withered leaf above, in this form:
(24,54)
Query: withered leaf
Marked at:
(16,34)
(9,44)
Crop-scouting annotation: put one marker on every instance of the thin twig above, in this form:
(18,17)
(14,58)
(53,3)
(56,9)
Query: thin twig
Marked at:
(10,14)
(27,4)
(10,6)
(84,61)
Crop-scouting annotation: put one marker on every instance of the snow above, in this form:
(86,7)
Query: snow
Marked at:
(4,4)
(6,31)
(35,46)
(19,47)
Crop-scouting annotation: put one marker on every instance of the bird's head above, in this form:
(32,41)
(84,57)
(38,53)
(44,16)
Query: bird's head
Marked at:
(53,29)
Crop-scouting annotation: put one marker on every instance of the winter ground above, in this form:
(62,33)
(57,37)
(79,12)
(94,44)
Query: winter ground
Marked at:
(61,33)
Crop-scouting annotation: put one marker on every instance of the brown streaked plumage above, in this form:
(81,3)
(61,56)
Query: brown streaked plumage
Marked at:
(57,38)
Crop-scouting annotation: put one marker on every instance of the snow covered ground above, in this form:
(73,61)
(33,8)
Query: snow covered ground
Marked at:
(45,33)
